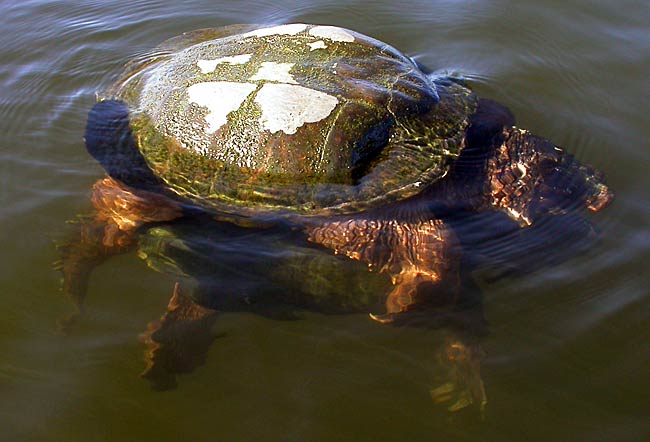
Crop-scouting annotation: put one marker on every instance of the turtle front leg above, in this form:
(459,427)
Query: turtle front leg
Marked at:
(421,256)
(464,386)
(423,259)
(119,212)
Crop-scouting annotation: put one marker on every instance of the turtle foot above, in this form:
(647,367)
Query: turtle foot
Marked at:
(465,386)
(178,342)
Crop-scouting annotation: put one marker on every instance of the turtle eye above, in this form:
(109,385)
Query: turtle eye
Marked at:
(547,167)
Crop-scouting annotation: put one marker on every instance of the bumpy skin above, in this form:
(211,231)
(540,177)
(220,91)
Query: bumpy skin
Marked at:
(508,169)
(358,152)
(415,253)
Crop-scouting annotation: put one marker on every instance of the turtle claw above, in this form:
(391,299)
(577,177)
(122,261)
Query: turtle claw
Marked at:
(66,323)
(465,388)
(462,399)
(387,318)
(443,393)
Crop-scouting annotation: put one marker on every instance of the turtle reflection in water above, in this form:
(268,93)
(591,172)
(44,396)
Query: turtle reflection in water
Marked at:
(291,152)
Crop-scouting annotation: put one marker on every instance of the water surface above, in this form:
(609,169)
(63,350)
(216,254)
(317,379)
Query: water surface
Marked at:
(568,350)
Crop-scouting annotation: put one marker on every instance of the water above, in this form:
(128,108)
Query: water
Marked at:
(567,354)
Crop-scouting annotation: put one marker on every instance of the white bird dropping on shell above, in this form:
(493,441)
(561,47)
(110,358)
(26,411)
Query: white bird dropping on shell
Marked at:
(221,98)
(332,33)
(286,107)
(208,66)
(291,29)
(271,71)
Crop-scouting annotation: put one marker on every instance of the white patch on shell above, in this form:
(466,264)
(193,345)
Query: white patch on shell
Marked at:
(208,66)
(287,107)
(332,33)
(279,72)
(320,44)
(291,29)
(221,98)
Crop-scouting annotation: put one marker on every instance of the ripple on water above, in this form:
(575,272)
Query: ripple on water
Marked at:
(568,306)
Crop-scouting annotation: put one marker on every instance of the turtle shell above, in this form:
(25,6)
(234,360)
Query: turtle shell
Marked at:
(294,118)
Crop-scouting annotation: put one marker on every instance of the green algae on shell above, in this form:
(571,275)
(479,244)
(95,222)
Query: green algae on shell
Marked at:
(296,118)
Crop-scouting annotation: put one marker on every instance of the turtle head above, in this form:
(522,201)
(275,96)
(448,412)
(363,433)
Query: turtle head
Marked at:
(528,177)
(109,140)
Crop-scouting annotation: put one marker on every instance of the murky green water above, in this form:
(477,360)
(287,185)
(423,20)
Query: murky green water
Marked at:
(568,352)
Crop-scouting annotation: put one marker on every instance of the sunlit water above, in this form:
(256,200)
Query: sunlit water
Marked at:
(568,350)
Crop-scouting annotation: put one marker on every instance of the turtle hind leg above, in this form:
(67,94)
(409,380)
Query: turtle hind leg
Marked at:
(178,342)
(110,230)
(95,241)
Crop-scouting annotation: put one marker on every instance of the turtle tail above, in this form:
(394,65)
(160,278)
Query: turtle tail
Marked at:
(110,141)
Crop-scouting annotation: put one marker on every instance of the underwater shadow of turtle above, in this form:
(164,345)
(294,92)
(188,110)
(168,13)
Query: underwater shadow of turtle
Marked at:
(110,141)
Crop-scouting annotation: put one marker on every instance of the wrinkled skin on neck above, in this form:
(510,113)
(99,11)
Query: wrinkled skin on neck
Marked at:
(508,169)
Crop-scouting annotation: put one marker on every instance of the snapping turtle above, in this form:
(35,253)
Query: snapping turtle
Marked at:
(330,136)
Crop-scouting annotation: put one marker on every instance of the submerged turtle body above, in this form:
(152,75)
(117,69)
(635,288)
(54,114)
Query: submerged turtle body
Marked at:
(368,157)
(300,118)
